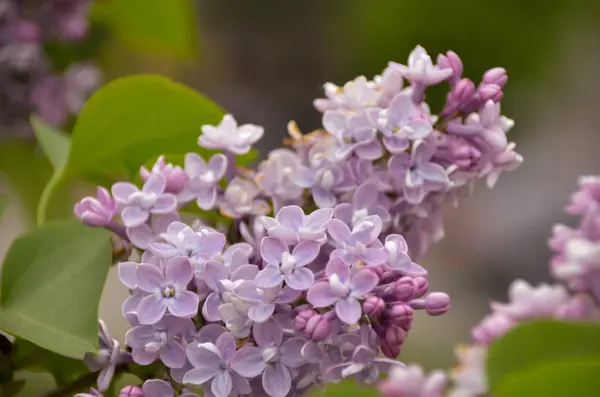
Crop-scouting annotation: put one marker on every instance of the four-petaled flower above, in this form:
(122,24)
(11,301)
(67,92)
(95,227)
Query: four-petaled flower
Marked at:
(365,202)
(229,136)
(400,124)
(359,245)
(203,178)
(292,226)
(421,69)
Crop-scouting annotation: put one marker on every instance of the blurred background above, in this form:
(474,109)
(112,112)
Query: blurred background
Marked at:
(266,60)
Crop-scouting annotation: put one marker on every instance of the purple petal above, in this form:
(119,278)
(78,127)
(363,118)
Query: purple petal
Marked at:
(218,164)
(141,236)
(122,190)
(210,309)
(162,222)
(268,277)
(363,355)
(344,212)
(369,151)
(419,128)
(221,384)
(130,305)
(400,110)
(318,219)
(179,271)
(365,196)
(272,249)
(287,295)
(399,163)
(422,151)
(339,267)
(245,272)
(151,309)
(194,165)
(210,333)
(277,380)
(291,352)
(338,231)
(185,305)
(240,384)
(134,216)
(305,252)
(213,273)
(226,345)
(323,198)
(373,256)
(303,177)
(156,184)
(321,295)
(261,312)
(105,376)
(268,333)
(127,274)
(291,217)
(348,310)
(248,291)
(157,388)
(165,203)
(137,337)
(173,355)
(203,358)
(300,279)
(414,194)
(433,173)
(395,144)
(200,375)
(335,122)
(248,361)
(149,278)
(363,282)
(142,357)
(206,198)
(163,250)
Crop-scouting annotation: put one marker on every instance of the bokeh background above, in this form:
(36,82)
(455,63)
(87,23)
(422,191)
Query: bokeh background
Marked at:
(266,60)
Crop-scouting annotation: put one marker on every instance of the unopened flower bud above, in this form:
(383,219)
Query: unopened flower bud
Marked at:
(404,289)
(26,32)
(489,91)
(96,211)
(462,92)
(301,319)
(318,328)
(175,176)
(389,350)
(400,314)
(131,391)
(421,286)
(496,76)
(373,306)
(451,60)
(437,303)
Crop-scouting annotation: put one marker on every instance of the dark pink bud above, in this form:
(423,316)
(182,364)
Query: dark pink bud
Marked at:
(395,335)
(175,176)
(26,32)
(400,314)
(301,319)
(463,91)
(490,91)
(437,303)
(496,76)
(377,270)
(421,286)
(404,289)
(390,351)
(318,328)
(131,391)
(373,306)
(451,61)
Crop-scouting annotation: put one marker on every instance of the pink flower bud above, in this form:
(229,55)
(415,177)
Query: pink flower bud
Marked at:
(318,328)
(437,303)
(390,351)
(26,32)
(373,306)
(577,308)
(96,211)
(421,286)
(496,76)
(462,92)
(400,314)
(404,289)
(395,335)
(174,175)
(301,319)
(490,91)
(451,61)
(131,391)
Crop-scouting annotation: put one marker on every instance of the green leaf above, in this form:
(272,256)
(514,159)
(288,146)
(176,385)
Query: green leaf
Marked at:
(35,359)
(346,388)
(52,280)
(152,25)
(3,204)
(54,143)
(26,172)
(546,358)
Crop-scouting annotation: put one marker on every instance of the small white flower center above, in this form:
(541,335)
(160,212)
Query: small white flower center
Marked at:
(288,262)
(392,248)
(270,354)
(336,285)
(359,215)
(168,291)
(208,177)
(327,180)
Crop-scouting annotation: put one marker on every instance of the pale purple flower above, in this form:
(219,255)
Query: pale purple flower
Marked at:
(451,60)
(420,68)
(253,233)
(285,266)
(263,300)
(241,198)
(139,204)
(229,136)
(507,160)
(528,302)
(213,364)
(487,126)
(469,378)
(108,356)
(167,291)
(163,339)
(202,179)
(411,381)
(389,83)
(96,211)
(273,356)
(492,327)
(401,123)
(586,200)
(365,202)
(142,236)
(343,289)
(398,259)
(417,173)
(157,388)
(354,133)
(274,176)
(359,244)
(235,316)
(291,225)
(222,280)
(355,94)
(495,76)
(174,176)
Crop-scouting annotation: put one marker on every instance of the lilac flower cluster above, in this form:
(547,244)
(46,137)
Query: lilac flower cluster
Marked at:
(27,81)
(575,297)
(308,278)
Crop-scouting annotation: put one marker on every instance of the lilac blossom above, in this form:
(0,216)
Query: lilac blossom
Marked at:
(157,388)
(229,136)
(401,124)
(202,179)
(96,211)
(354,134)
(365,202)
(175,177)
(142,236)
(398,259)
(527,301)
(343,290)
(241,198)
(411,381)
(285,266)
(139,204)
(356,94)
(292,226)
(108,357)
(420,68)
(213,365)
(167,291)
(359,245)
(417,173)
(274,176)
(264,300)
(470,379)
(235,315)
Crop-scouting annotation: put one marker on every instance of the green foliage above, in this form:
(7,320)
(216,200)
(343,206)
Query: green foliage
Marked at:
(345,389)
(54,143)
(152,25)
(546,358)
(3,204)
(52,280)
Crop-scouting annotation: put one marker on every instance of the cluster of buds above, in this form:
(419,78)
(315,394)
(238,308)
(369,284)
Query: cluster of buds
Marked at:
(28,83)
(309,278)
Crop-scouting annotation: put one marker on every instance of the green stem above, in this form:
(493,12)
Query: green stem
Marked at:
(85,381)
